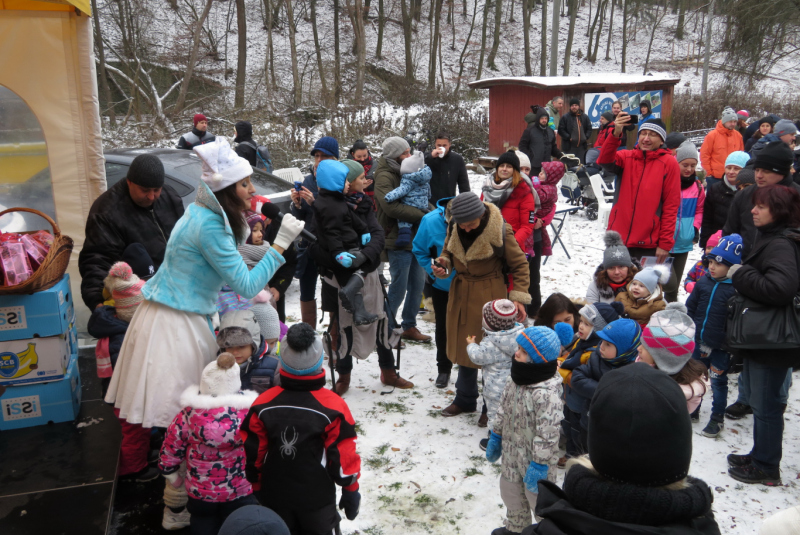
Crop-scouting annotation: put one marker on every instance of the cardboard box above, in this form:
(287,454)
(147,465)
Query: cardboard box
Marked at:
(34,360)
(41,403)
(41,314)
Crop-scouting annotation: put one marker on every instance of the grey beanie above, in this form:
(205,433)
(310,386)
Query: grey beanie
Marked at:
(651,277)
(686,151)
(783,127)
(267,318)
(394,147)
(616,254)
(466,207)
(239,328)
(729,114)
(301,353)
(669,338)
(147,171)
(674,140)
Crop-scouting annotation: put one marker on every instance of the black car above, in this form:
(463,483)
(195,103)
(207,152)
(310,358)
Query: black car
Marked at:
(182,167)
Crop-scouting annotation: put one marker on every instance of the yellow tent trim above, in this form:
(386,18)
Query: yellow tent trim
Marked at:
(85,6)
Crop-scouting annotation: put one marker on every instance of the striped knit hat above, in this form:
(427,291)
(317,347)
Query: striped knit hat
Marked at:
(126,290)
(540,343)
(669,337)
(499,315)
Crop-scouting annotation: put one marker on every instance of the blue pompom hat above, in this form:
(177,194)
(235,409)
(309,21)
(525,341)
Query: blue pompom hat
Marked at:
(565,333)
(540,343)
(728,251)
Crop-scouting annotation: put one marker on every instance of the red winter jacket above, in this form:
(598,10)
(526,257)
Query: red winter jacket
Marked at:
(603,134)
(649,194)
(519,210)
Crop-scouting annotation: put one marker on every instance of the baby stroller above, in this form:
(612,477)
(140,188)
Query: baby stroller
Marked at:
(577,188)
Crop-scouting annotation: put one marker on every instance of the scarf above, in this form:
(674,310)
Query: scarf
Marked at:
(618,286)
(687,181)
(495,193)
(629,356)
(634,504)
(393,164)
(725,178)
(252,254)
(468,238)
(527,373)
(352,199)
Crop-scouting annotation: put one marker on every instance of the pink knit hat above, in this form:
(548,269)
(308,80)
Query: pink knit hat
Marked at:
(713,241)
(126,289)
(499,315)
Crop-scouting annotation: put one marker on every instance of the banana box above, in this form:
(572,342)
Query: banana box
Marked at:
(45,313)
(38,404)
(34,360)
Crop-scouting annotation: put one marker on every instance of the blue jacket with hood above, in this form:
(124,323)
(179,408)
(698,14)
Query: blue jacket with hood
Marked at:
(431,233)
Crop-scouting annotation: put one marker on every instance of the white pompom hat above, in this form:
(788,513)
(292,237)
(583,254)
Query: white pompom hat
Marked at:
(221,165)
(221,377)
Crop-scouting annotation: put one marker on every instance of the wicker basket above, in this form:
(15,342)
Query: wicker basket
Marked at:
(54,265)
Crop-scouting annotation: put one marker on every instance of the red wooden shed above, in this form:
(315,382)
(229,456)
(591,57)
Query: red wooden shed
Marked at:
(510,99)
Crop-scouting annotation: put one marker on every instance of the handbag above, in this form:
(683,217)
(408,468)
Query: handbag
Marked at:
(754,325)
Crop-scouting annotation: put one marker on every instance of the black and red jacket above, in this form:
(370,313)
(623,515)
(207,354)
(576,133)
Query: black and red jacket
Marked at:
(300,440)
(648,197)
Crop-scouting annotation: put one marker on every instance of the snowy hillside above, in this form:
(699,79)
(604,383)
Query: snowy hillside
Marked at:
(423,473)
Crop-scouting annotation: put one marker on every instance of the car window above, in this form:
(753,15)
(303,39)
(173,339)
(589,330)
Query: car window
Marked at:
(24,166)
(115,172)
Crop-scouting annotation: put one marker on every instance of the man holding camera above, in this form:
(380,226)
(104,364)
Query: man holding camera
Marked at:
(649,192)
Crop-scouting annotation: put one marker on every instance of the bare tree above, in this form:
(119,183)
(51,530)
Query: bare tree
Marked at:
(198,30)
(407,37)
(543,29)
(355,9)
(526,35)
(573,13)
(498,19)
(381,24)
(610,30)
(436,38)
(101,56)
(318,49)
(657,18)
(241,60)
(624,34)
(681,19)
(554,39)
(337,68)
(298,85)
(486,5)
(466,44)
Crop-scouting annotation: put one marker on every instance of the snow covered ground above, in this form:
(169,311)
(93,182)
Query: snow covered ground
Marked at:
(423,473)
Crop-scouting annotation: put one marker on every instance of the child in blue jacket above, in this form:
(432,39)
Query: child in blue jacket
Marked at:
(414,190)
(256,355)
(708,307)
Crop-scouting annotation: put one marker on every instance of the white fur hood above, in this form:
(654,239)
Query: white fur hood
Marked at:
(192,397)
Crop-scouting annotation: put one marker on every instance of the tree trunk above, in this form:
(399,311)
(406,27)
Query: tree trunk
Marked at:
(624,33)
(573,14)
(337,70)
(198,31)
(598,21)
(543,66)
(417,9)
(610,30)
(681,19)
(241,60)
(269,61)
(320,65)
(554,39)
(360,44)
(526,35)
(101,56)
(365,9)
(381,24)
(466,44)
(498,19)
(707,57)
(437,17)
(407,38)
(298,85)
(486,5)
(656,22)
(590,17)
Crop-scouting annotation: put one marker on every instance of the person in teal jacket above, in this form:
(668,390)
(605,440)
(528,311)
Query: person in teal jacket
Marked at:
(427,246)
(170,338)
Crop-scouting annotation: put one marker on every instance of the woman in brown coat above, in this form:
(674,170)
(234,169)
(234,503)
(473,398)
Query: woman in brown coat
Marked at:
(478,246)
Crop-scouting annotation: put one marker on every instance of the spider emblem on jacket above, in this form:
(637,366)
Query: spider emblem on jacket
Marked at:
(288,447)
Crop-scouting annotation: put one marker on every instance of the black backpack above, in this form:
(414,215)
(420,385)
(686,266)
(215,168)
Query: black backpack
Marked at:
(263,159)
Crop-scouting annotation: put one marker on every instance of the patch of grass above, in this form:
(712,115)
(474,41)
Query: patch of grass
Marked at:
(468,497)
(395,486)
(417,394)
(424,500)
(360,430)
(444,431)
(377,462)
(383,448)
(478,460)
(498,468)
(392,406)
(385,500)
(435,413)
(469,472)
(373,530)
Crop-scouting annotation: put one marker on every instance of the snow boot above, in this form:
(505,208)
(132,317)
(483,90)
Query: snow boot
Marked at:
(749,473)
(343,383)
(713,428)
(389,377)
(308,313)
(353,301)
(735,459)
(738,411)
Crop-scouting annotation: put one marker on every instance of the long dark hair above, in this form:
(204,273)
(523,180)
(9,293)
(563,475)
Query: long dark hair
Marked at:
(691,372)
(553,306)
(234,208)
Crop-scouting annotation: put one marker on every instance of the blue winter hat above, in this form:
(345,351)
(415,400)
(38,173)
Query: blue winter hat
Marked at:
(626,335)
(327,145)
(728,251)
(540,343)
(565,333)
(651,277)
(331,175)
(737,157)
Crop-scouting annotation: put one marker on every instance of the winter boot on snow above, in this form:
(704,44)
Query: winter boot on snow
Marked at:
(353,301)
(343,383)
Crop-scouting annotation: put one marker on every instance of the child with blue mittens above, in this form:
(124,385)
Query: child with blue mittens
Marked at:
(526,427)
(414,190)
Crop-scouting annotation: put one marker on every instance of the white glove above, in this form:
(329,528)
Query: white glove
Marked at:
(290,229)
(733,269)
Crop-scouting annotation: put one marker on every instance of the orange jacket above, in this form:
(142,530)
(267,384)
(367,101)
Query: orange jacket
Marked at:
(717,145)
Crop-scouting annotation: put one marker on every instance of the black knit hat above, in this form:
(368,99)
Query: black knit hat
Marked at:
(137,257)
(639,427)
(575,100)
(674,140)
(776,156)
(608,116)
(746,176)
(510,157)
(147,171)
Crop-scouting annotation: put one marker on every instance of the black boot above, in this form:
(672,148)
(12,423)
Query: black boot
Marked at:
(360,315)
(348,292)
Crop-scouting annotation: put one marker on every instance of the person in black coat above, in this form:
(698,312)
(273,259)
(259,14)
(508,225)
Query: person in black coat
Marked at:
(448,169)
(246,148)
(772,165)
(769,275)
(538,142)
(641,488)
(575,130)
(719,198)
(140,209)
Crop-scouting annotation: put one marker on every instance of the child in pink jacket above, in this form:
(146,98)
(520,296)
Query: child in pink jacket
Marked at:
(205,434)
(668,344)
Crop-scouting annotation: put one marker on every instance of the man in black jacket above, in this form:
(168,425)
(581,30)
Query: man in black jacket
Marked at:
(448,169)
(538,141)
(246,148)
(199,134)
(575,130)
(140,209)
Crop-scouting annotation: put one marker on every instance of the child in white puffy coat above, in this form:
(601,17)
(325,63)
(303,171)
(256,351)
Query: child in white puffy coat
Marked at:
(495,352)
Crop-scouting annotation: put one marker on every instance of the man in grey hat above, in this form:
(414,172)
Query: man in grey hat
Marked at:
(408,277)
(140,209)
